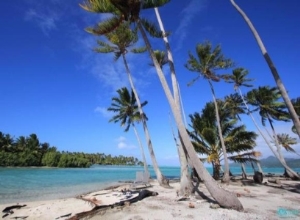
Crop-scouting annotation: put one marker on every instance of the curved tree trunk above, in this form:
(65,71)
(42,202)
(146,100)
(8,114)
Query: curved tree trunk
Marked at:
(224,198)
(292,174)
(273,69)
(226,177)
(142,150)
(160,178)
(244,174)
(185,180)
(283,163)
(259,167)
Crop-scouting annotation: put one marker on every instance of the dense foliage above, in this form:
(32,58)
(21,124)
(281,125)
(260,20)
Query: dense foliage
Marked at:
(28,151)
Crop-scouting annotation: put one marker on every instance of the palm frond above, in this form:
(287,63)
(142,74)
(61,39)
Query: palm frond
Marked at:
(152,29)
(105,26)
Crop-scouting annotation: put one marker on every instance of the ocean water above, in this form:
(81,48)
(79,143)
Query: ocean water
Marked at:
(33,184)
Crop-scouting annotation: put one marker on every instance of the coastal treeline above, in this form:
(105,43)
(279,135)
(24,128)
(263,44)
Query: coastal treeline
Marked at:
(28,151)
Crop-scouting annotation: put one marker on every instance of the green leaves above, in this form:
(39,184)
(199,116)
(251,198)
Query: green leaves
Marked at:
(266,101)
(126,109)
(208,60)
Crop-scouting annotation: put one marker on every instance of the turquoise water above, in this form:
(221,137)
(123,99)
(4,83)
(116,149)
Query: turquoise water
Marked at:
(32,184)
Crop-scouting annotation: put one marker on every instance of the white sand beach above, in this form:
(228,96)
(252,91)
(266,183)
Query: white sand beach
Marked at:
(271,201)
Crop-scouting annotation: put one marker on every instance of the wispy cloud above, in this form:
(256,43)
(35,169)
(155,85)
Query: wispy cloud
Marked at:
(103,111)
(46,20)
(187,15)
(123,143)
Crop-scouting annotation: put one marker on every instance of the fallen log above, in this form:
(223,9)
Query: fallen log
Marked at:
(273,180)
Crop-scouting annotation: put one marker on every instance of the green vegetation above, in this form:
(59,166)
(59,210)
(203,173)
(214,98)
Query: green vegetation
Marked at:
(28,151)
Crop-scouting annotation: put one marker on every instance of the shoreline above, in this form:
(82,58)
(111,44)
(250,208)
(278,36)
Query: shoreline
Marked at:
(271,201)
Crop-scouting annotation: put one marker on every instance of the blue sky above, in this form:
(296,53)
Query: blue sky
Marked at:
(54,85)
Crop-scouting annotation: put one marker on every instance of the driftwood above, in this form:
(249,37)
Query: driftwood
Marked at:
(9,210)
(98,208)
(277,181)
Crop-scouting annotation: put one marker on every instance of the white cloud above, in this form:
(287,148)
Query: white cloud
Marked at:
(103,111)
(46,20)
(123,143)
(187,14)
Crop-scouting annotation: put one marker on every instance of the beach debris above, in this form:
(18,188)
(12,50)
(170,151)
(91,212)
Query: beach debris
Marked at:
(63,216)
(19,217)
(214,206)
(273,180)
(127,203)
(183,199)
(9,210)
(247,190)
(191,205)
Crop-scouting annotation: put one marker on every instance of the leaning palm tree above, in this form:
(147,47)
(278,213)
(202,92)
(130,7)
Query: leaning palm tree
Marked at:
(266,101)
(120,42)
(130,11)
(207,62)
(296,104)
(234,104)
(273,69)
(239,78)
(185,180)
(127,114)
(207,141)
(285,140)
(186,186)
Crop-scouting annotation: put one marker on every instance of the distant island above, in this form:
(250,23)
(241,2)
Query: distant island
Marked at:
(272,161)
(28,151)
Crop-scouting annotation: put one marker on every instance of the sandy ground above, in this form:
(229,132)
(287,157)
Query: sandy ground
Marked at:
(272,201)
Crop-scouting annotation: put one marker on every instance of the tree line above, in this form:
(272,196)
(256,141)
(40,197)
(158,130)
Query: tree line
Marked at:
(28,151)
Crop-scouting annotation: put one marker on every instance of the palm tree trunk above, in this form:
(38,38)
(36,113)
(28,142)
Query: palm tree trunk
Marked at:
(244,175)
(226,177)
(185,180)
(259,167)
(273,69)
(224,198)
(292,174)
(160,178)
(262,134)
(142,150)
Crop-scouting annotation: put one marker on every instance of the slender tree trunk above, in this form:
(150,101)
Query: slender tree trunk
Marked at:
(224,198)
(160,178)
(263,136)
(226,177)
(185,180)
(292,174)
(259,167)
(273,69)
(244,174)
(142,150)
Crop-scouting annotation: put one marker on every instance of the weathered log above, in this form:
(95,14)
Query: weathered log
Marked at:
(277,181)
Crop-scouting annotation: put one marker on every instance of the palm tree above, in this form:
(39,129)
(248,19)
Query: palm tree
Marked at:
(266,101)
(273,69)
(296,104)
(239,78)
(234,103)
(131,12)
(207,141)
(120,43)
(185,180)
(285,140)
(127,114)
(207,62)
